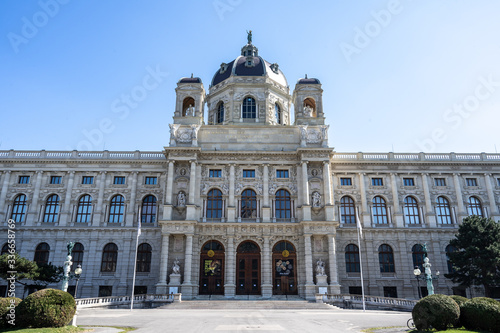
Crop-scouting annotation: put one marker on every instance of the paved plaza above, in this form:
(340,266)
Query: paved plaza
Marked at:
(246,320)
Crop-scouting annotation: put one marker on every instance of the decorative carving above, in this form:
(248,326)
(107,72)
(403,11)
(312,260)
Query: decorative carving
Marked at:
(316,199)
(181,199)
(320,267)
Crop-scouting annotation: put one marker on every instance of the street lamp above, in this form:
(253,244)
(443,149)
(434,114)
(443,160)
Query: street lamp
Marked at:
(417,273)
(78,273)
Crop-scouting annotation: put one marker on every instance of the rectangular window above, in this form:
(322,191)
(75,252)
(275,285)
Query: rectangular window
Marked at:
(248,173)
(498,181)
(281,173)
(391,292)
(346,181)
(215,173)
(408,182)
(105,291)
(471,181)
(55,179)
(119,180)
(88,180)
(24,179)
(439,181)
(377,182)
(151,180)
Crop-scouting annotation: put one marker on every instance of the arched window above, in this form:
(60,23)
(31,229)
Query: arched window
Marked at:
(148,211)
(283,207)
(77,255)
(19,208)
(475,207)
(309,107)
(42,252)
(249,108)
(386,259)
(5,249)
(248,204)
(352,258)
(219,119)
(277,113)
(144,258)
(116,209)
(214,204)
(418,256)
(188,107)
(109,258)
(51,209)
(347,210)
(379,209)
(450,249)
(411,211)
(84,211)
(443,210)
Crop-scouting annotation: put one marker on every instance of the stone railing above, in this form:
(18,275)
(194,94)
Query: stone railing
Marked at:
(88,155)
(148,300)
(372,302)
(402,157)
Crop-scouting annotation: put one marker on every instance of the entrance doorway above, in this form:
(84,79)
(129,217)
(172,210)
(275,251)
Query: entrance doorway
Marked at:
(248,269)
(212,268)
(284,269)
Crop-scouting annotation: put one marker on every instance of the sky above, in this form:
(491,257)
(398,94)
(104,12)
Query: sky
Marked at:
(397,75)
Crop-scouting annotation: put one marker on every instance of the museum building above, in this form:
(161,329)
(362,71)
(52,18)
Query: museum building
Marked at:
(247,200)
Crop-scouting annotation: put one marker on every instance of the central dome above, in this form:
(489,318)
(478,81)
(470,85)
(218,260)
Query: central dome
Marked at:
(249,63)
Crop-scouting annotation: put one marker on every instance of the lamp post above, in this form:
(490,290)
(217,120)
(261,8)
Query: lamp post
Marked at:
(429,277)
(417,273)
(78,274)
(67,267)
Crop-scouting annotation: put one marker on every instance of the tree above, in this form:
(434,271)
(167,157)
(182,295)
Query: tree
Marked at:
(24,268)
(476,259)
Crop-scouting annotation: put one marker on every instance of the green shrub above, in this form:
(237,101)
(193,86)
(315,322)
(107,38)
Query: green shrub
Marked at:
(47,308)
(436,311)
(7,309)
(481,314)
(460,300)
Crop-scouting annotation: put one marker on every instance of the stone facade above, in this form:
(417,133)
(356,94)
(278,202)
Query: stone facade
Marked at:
(246,203)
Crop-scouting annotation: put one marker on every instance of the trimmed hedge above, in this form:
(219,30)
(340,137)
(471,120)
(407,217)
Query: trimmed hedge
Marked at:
(436,311)
(460,300)
(47,308)
(481,313)
(7,308)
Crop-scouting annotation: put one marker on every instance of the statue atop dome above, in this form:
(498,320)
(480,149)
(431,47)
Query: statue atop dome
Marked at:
(249,36)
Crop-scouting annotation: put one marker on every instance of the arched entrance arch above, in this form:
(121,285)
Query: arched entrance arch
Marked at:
(212,268)
(248,269)
(284,269)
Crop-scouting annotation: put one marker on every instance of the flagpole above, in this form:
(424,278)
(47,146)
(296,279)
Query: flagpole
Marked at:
(359,228)
(135,260)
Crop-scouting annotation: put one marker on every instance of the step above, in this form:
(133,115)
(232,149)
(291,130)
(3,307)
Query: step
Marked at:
(249,304)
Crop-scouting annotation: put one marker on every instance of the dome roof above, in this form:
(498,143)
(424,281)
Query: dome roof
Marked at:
(249,63)
(190,79)
(307,80)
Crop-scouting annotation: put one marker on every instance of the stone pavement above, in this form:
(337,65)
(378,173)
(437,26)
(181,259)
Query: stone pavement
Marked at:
(246,317)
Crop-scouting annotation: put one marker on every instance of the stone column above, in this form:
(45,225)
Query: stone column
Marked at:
(267,267)
(188,258)
(364,205)
(99,214)
(161,286)
(398,216)
(491,197)
(327,189)
(231,209)
(460,201)
(266,209)
(229,285)
(430,216)
(310,288)
(131,207)
(34,209)
(66,211)
(167,208)
(192,183)
(306,206)
(3,195)
(334,287)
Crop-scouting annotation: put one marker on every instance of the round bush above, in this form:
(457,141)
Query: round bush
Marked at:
(436,311)
(7,309)
(47,308)
(481,314)
(460,300)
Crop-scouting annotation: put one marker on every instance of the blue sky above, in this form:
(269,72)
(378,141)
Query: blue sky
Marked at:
(403,76)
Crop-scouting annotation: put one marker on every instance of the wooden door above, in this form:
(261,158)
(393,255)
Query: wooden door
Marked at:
(248,274)
(212,269)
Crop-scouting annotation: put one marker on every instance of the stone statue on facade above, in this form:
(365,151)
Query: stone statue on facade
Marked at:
(316,202)
(190,110)
(176,269)
(308,111)
(249,37)
(320,268)
(181,199)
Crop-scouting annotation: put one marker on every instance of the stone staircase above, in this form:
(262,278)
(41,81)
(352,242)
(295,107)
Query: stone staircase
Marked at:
(234,304)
